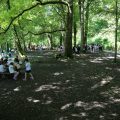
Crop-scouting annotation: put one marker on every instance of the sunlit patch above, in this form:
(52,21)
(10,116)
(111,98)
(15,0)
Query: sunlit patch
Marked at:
(77,55)
(101,116)
(95,104)
(57,83)
(110,57)
(46,87)
(90,105)
(30,99)
(83,64)
(118,55)
(36,101)
(66,106)
(5,89)
(96,61)
(100,59)
(17,89)
(36,83)
(103,82)
(77,61)
(114,100)
(63,118)
(82,114)
(114,114)
(106,80)
(67,81)
(108,68)
(64,60)
(58,73)
(118,69)
(48,102)
(75,115)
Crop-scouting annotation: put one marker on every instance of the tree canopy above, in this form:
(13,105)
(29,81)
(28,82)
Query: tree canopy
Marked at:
(40,21)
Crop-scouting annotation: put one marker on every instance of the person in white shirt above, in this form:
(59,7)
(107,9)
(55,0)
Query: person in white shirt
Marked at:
(11,70)
(28,69)
(2,67)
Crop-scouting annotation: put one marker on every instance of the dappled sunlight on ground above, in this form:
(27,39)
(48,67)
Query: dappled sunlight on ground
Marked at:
(90,105)
(96,60)
(118,69)
(30,99)
(82,114)
(86,87)
(58,73)
(64,60)
(46,87)
(17,89)
(66,106)
(103,82)
(108,68)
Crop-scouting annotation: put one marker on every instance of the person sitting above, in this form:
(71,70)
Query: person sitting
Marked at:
(16,59)
(2,69)
(17,68)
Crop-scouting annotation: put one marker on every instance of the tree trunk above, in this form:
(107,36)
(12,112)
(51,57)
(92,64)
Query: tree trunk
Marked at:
(116,29)
(61,39)
(75,32)
(17,42)
(81,10)
(86,22)
(68,40)
(51,41)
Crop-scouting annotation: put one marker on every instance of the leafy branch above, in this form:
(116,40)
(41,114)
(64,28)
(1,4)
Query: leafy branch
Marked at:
(45,32)
(27,9)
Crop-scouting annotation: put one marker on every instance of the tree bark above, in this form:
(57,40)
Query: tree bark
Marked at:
(51,41)
(116,30)
(17,42)
(75,32)
(86,22)
(68,40)
(61,39)
(81,10)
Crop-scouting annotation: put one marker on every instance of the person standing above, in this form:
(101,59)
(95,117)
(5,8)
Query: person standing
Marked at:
(28,70)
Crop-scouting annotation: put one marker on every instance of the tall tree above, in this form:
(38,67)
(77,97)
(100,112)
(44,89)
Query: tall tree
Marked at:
(68,40)
(17,42)
(116,28)
(84,8)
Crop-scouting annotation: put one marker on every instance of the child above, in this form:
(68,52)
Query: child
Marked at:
(28,69)
(13,73)
(11,70)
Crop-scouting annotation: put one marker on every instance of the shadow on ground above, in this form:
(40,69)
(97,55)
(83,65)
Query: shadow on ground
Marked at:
(84,88)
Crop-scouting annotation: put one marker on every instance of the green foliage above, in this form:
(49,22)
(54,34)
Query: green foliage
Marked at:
(97,26)
(52,17)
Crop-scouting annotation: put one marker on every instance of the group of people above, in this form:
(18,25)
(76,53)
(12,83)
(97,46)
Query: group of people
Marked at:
(92,48)
(12,66)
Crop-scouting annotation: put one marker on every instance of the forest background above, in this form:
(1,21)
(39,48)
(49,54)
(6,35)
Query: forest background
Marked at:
(59,22)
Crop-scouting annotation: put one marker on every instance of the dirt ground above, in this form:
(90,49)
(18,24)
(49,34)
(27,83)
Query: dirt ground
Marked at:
(84,88)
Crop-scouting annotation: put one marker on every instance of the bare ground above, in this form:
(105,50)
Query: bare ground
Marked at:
(84,88)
